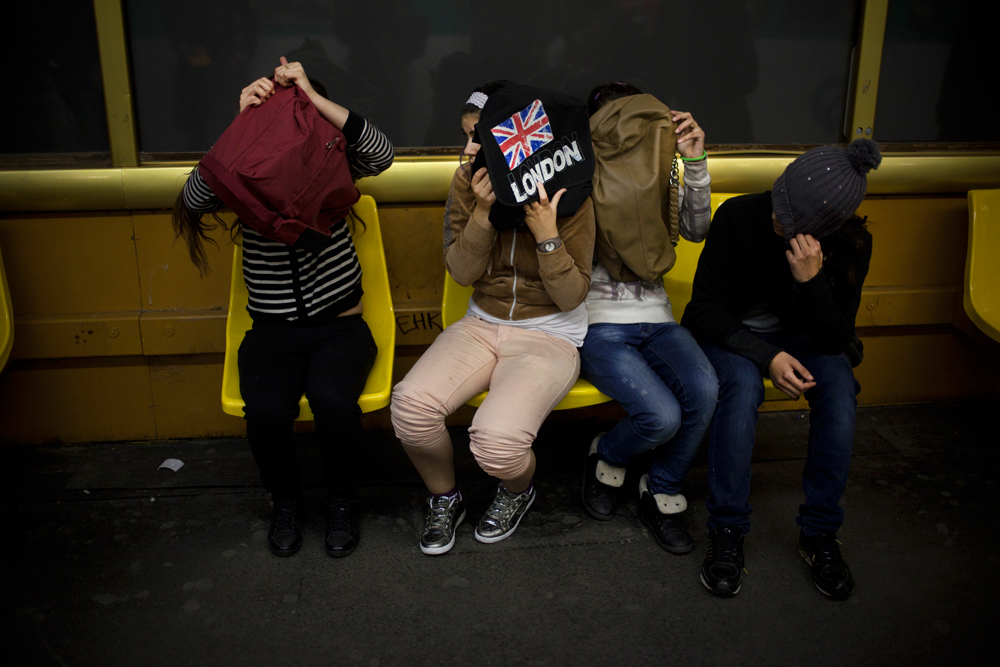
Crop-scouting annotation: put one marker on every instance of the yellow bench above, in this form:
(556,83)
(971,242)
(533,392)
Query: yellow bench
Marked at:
(6,318)
(982,270)
(678,283)
(378,313)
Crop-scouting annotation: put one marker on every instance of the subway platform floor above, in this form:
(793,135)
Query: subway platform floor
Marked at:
(109,561)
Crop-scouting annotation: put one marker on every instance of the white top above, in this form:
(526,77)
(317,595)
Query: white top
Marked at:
(613,302)
(570,325)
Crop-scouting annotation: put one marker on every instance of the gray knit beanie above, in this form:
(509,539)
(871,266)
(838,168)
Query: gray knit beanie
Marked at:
(823,187)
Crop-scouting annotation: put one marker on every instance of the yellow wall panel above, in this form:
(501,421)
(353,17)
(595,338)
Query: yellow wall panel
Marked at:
(186,398)
(167,278)
(76,400)
(413,240)
(80,263)
(917,242)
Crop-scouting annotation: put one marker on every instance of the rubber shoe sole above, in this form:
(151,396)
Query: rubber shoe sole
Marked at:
(717,592)
(504,536)
(437,551)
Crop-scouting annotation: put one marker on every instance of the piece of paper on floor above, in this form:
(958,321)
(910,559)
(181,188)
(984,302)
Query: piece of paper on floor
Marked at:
(171,464)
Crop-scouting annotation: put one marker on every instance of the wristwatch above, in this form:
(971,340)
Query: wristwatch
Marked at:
(549,245)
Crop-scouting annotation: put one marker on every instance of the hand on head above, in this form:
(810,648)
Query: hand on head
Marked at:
(690,136)
(788,375)
(540,216)
(805,258)
(483,188)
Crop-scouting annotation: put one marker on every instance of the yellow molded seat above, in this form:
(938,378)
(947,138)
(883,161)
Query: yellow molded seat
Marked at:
(982,271)
(378,313)
(453,307)
(6,318)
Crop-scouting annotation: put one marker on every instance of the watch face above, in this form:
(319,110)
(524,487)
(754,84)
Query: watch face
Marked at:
(549,246)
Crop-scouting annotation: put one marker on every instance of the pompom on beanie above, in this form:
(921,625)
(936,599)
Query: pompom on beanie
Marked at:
(823,187)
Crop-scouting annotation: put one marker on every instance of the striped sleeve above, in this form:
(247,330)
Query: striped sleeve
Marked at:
(198,197)
(369,151)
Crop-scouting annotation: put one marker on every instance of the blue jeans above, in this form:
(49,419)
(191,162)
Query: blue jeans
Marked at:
(663,380)
(833,406)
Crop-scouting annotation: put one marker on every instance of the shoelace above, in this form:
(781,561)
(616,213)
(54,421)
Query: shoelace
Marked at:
(504,505)
(724,548)
(826,551)
(440,513)
(338,517)
(284,516)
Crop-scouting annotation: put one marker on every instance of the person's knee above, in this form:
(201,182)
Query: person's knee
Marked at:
(498,454)
(271,411)
(703,395)
(835,383)
(418,422)
(333,404)
(658,426)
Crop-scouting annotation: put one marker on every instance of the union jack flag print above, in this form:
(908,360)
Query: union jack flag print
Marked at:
(523,133)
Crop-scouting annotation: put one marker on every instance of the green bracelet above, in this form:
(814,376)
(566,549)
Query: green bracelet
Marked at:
(704,154)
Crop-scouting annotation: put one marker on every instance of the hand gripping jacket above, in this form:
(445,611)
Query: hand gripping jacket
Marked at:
(635,188)
(282,168)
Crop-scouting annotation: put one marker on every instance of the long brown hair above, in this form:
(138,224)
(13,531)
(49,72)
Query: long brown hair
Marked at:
(855,233)
(195,229)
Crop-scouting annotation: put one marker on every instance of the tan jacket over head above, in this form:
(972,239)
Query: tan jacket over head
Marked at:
(512,280)
(634,203)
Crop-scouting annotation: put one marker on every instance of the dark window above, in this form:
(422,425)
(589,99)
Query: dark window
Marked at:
(752,71)
(54,94)
(939,62)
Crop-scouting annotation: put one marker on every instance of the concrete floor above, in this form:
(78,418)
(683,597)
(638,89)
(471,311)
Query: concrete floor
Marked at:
(109,561)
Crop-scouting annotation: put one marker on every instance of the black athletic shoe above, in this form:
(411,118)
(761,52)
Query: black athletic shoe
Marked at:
(830,573)
(342,532)
(722,571)
(284,537)
(599,499)
(666,528)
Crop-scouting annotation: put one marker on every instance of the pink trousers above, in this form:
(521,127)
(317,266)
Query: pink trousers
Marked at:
(527,374)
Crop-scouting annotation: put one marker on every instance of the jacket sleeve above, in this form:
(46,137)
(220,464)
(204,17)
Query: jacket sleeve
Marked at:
(565,271)
(828,313)
(468,242)
(696,205)
(369,152)
(710,315)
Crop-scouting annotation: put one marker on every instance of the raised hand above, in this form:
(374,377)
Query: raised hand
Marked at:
(255,94)
(292,73)
(540,216)
(788,375)
(483,189)
(805,258)
(690,136)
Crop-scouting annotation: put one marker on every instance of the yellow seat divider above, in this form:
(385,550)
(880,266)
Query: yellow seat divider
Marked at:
(378,313)
(453,307)
(6,318)
(982,270)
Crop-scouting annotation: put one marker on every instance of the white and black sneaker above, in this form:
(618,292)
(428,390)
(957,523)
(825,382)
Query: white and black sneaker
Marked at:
(444,514)
(501,519)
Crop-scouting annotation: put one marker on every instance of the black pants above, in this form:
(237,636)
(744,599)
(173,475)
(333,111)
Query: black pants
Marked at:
(330,364)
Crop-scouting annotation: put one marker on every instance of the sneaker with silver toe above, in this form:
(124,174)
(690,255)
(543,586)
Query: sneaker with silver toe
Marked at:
(503,516)
(444,514)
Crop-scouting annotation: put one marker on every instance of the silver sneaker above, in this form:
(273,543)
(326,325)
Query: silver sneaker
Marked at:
(501,519)
(443,518)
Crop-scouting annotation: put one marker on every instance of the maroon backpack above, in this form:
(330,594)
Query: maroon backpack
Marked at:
(282,168)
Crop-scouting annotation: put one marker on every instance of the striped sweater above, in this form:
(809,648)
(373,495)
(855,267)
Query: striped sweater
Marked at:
(292,285)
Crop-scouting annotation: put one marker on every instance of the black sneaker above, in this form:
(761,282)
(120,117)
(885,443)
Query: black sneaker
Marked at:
(830,573)
(284,537)
(722,570)
(661,513)
(342,532)
(600,485)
